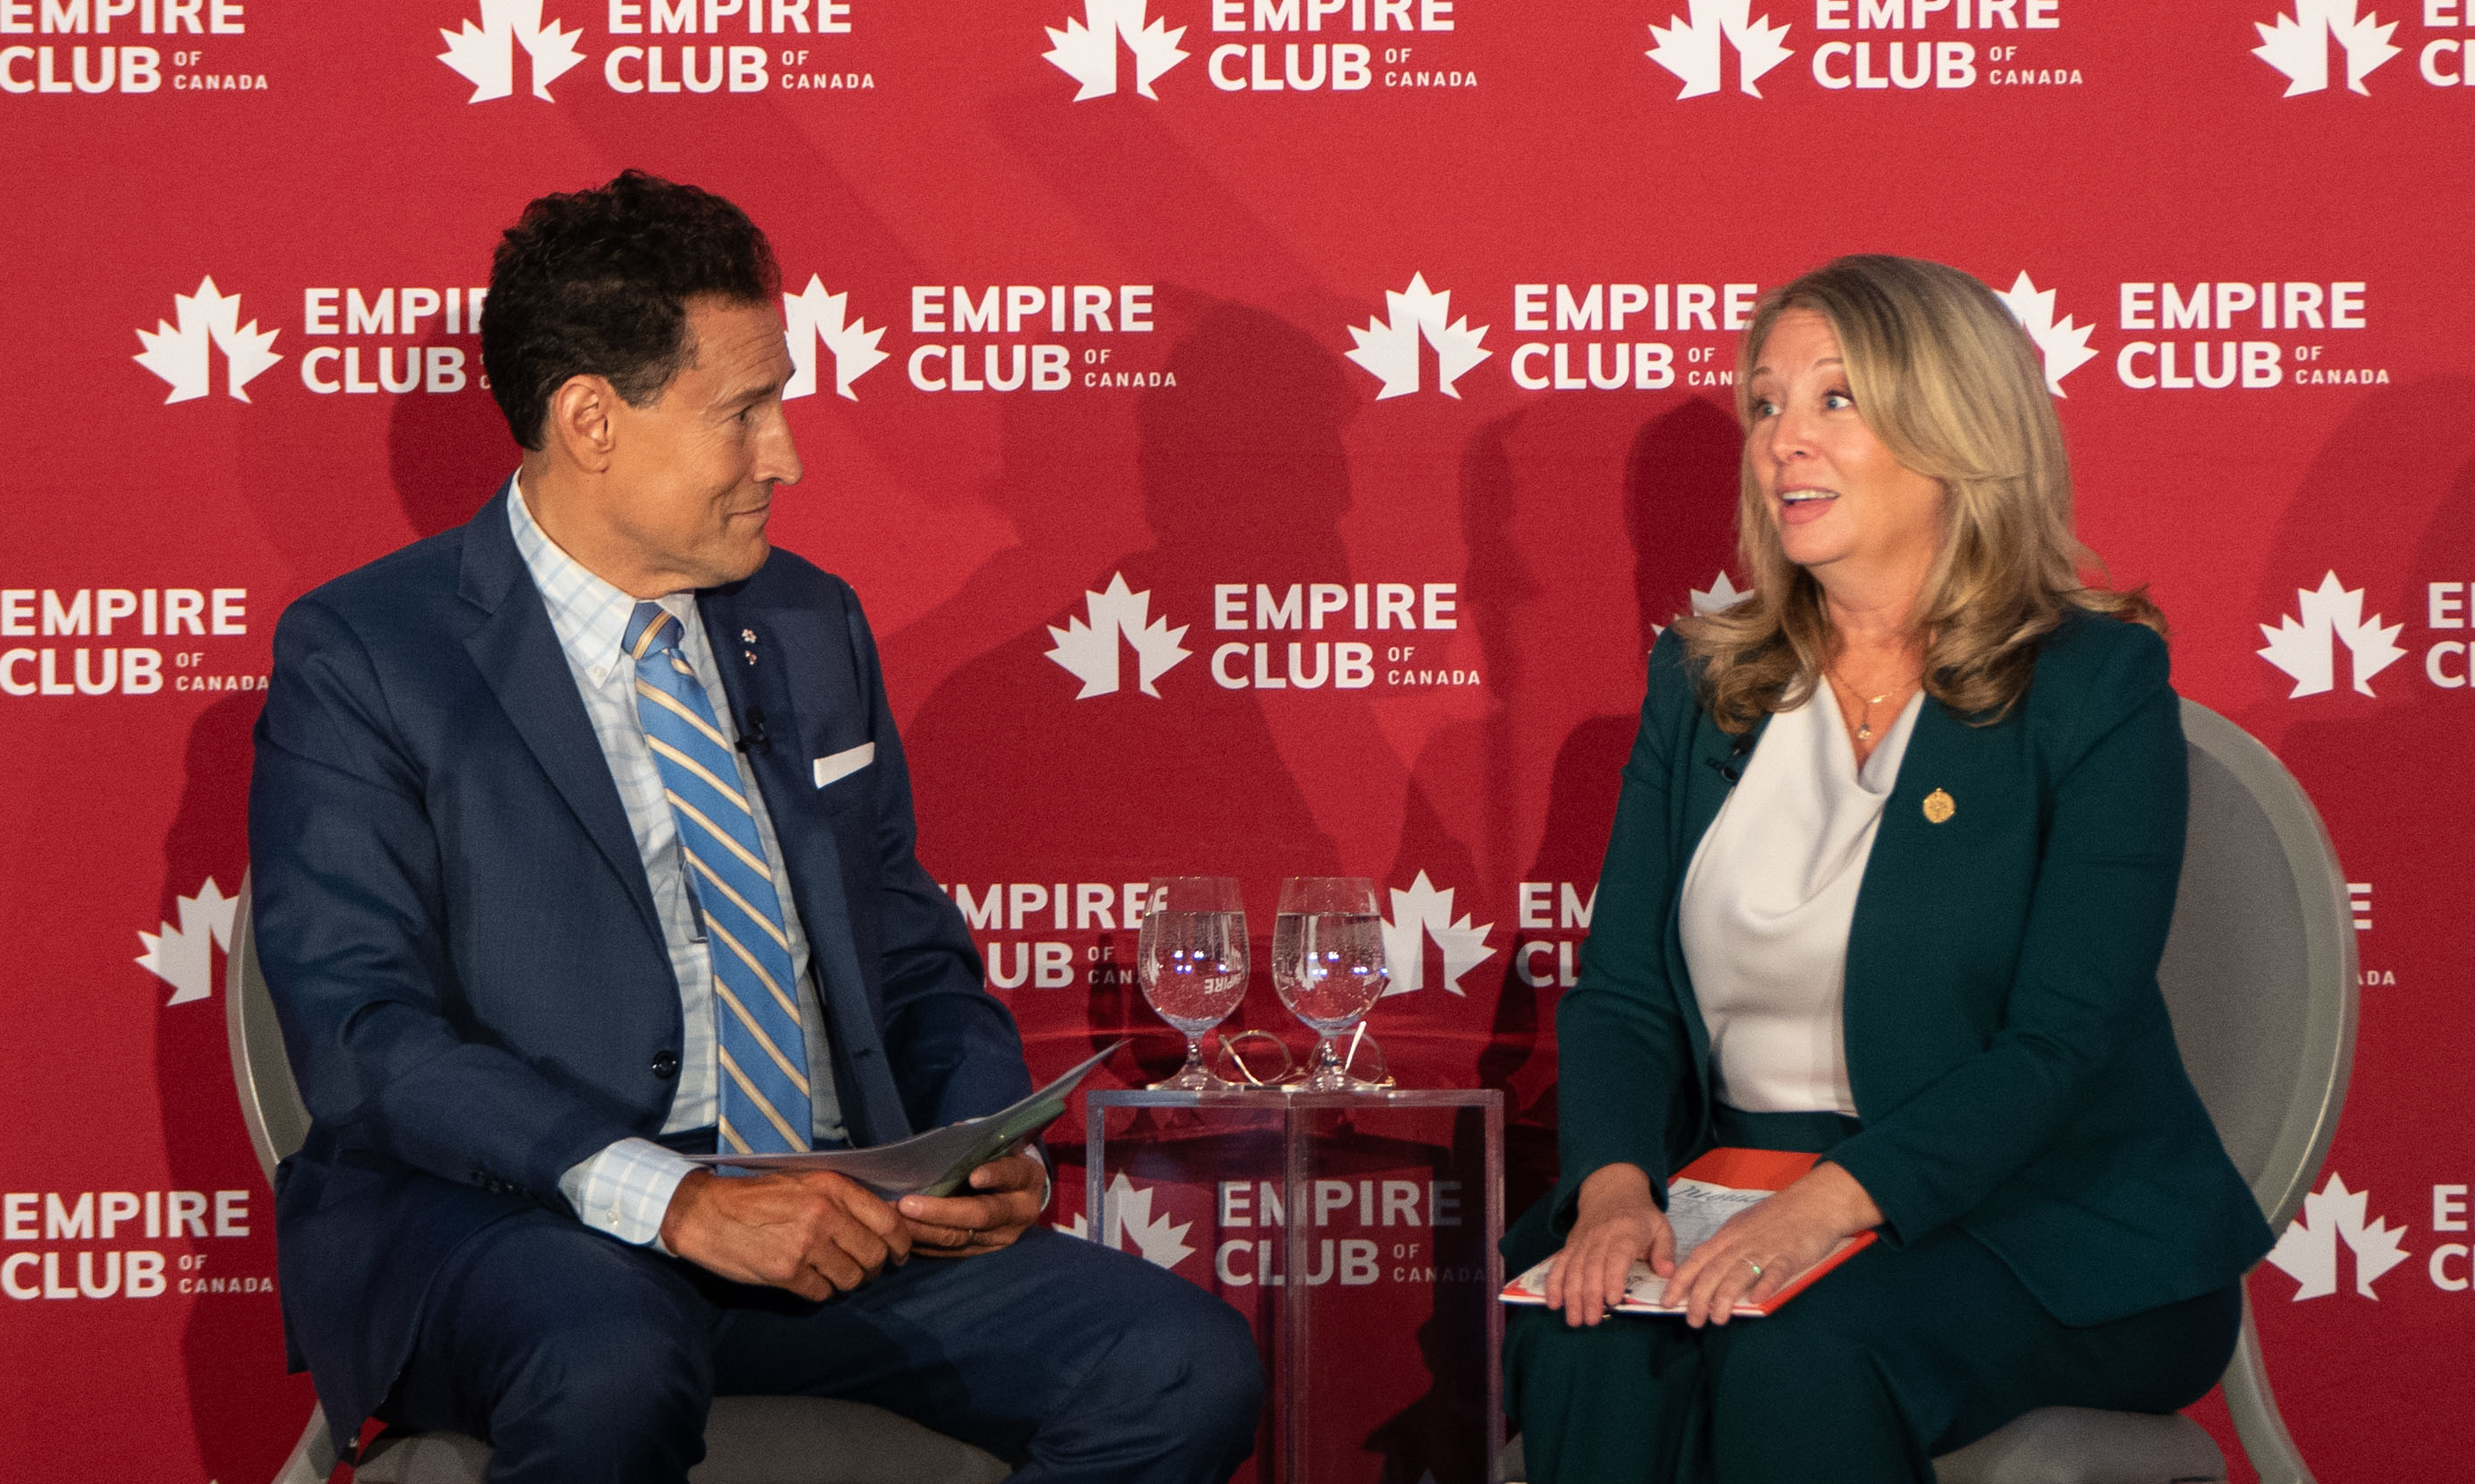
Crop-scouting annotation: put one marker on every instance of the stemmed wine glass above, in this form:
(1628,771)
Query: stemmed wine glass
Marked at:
(1191,960)
(1328,964)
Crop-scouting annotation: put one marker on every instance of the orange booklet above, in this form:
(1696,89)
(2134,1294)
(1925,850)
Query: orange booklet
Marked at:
(1700,1200)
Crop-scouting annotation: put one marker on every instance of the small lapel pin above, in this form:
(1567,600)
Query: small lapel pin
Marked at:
(1940,807)
(748,639)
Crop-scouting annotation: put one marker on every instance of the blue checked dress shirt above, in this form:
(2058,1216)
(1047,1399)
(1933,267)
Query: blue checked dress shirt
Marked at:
(624,1189)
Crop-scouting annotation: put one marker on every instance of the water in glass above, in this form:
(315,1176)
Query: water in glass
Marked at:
(1328,964)
(1192,963)
(1193,966)
(1329,967)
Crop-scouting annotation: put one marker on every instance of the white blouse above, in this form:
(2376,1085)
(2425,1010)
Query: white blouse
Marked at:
(1768,901)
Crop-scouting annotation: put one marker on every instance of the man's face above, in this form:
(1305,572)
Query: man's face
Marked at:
(691,479)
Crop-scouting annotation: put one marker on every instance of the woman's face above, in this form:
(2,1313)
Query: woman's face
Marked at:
(1841,504)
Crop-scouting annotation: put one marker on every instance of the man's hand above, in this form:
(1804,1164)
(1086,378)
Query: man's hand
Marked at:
(813,1233)
(968,1226)
(1617,1225)
(1768,1245)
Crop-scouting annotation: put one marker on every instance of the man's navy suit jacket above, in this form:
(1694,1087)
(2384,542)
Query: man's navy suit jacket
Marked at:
(455,920)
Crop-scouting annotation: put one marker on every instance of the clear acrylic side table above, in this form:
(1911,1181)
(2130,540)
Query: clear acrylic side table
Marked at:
(1336,1122)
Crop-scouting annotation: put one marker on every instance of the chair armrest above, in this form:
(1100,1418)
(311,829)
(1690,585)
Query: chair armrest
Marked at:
(2266,1441)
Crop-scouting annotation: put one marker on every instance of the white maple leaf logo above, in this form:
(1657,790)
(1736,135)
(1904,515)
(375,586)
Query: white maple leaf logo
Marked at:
(486,55)
(1426,911)
(1129,1214)
(1389,348)
(812,315)
(2064,344)
(1690,48)
(178,956)
(1088,651)
(1086,50)
(2308,1251)
(2332,613)
(207,317)
(1721,593)
(2298,44)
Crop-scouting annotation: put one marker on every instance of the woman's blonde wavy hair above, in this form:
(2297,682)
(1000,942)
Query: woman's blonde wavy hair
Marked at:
(1944,376)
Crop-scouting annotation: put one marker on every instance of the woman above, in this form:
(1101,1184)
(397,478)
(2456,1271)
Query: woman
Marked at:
(1889,883)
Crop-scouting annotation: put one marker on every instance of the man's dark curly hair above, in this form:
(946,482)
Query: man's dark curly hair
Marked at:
(597,282)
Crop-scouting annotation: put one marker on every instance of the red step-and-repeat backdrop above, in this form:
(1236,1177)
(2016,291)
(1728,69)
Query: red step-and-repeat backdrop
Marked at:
(1268,435)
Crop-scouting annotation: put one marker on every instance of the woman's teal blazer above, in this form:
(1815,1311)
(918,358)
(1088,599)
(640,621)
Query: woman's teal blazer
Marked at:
(2013,1066)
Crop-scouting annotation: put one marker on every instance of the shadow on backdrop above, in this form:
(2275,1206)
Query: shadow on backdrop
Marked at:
(2388,514)
(1553,579)
(1066,482)
(448,451)
(206,1146)
(1241,472)
(1679,531)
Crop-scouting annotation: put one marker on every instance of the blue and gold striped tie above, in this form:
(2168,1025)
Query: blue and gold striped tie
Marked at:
(765,1100)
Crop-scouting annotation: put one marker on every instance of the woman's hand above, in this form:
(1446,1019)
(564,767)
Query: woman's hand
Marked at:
(1618,1224)
(1766,1247)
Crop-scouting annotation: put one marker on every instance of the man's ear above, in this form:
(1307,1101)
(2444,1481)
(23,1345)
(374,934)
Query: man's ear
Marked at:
(578,424)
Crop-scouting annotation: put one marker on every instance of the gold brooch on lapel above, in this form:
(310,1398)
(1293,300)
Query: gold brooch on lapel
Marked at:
(1940,807)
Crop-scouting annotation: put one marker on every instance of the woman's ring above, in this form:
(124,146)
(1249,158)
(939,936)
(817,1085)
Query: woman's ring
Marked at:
(1756,1267)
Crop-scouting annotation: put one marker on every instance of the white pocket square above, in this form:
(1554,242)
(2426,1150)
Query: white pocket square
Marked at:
(843,764)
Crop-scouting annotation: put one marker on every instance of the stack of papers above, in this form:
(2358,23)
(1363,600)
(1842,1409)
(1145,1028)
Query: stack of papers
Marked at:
(938,1161)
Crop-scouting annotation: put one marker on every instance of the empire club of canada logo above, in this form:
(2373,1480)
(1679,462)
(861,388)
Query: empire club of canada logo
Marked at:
(1426,911)
(207,319)
(1086,50)
(1389,348)
(2298,44)
(1694,46)
(813,316)
(1089,652)
(183,956)
(2308,1252)
(2063,344)
(2332,614)
(1127,1222)
(485,55)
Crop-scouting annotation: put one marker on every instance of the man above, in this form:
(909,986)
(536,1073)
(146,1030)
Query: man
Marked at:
(582,839)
